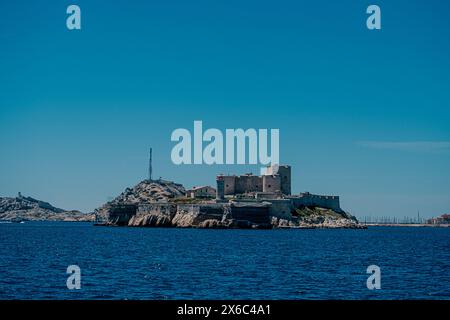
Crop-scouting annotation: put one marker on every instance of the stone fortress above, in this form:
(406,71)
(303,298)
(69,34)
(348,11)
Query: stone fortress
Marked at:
(276,181)
(248,200)
(273,187)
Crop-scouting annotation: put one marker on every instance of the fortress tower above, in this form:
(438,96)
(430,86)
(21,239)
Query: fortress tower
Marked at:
(284,174)
(220,190)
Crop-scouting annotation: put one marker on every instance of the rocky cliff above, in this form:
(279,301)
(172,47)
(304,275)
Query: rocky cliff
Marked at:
(29,209)
(316,217)
(144,192)
(225,216)
(206,215)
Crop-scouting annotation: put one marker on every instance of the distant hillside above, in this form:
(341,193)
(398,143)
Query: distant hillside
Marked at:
(26,208)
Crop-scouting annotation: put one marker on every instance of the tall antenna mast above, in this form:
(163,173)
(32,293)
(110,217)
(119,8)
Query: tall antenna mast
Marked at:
(150,169)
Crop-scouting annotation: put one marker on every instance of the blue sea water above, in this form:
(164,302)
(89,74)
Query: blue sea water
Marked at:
(146,263)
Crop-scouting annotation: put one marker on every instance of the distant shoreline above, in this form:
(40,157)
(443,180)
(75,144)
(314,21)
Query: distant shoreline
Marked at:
(417,225)
(365,226)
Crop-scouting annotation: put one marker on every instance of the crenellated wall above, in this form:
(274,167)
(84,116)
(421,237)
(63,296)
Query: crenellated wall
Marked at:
(313,200)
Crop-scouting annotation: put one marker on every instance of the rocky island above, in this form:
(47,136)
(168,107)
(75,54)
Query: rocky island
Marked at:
(20,208)
(246,201)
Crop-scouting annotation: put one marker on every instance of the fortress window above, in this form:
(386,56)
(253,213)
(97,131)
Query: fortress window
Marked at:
(227,186)
(269,186)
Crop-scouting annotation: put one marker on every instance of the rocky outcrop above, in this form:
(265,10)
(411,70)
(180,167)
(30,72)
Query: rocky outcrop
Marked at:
(29,209)
(153,215)
(316,217)
(154,191)
(150,191)
(180,215)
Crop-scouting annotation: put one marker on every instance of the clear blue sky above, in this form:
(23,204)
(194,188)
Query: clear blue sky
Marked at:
(362,114)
